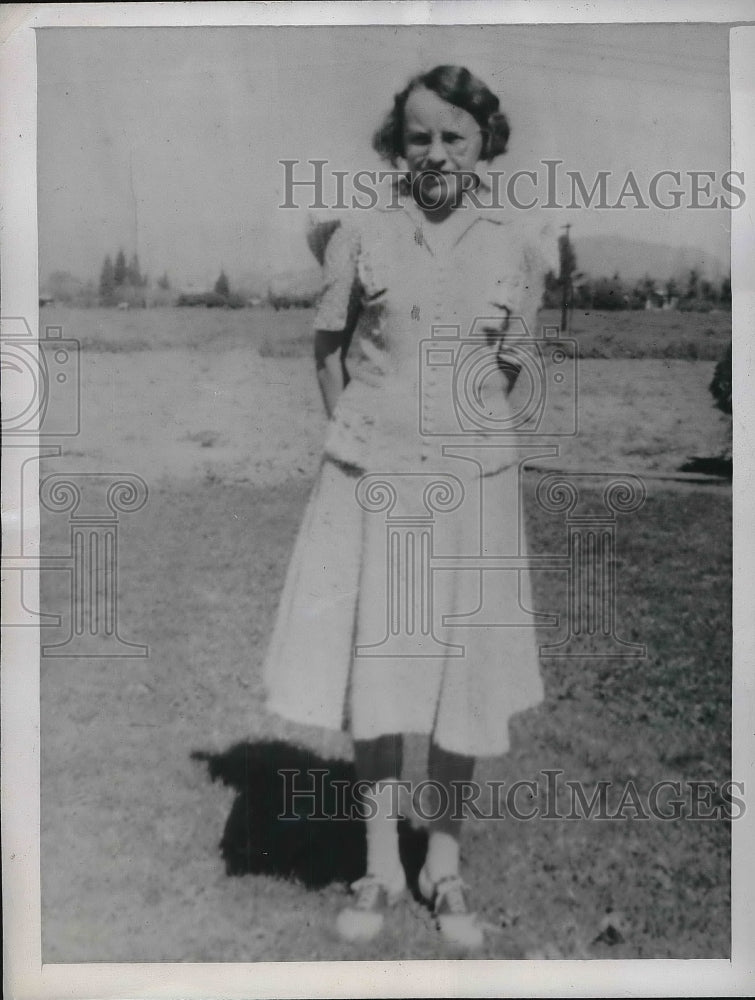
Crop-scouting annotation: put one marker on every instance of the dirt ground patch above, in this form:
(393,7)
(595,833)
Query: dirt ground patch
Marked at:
(217,408)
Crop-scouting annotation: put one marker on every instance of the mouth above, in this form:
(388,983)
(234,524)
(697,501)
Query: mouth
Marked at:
(435,178)
(430,176)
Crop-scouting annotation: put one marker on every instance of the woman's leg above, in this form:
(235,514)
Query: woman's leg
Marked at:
(439,879)
(378,765)
(445,768)
(378,761)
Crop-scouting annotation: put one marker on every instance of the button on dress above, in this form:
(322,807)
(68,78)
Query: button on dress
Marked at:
(389,620)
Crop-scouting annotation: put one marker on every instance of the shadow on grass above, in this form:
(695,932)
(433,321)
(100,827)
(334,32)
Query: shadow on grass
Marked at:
(315,851)
(714,465)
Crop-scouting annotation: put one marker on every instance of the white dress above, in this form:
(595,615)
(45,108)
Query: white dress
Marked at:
(389,621)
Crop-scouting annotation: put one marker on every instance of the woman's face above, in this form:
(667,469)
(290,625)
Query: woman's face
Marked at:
(442,138)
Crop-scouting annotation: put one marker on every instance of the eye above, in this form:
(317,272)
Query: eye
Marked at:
(453,139)
(419,139)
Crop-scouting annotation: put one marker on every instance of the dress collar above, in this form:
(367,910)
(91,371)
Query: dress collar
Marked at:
(442,236)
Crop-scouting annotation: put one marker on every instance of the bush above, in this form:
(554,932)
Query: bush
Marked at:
(720,385)
(695,305)
(211,300)
(609,294)
(304,300)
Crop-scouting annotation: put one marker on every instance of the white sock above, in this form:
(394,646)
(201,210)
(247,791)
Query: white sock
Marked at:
(442,856)
(383,857)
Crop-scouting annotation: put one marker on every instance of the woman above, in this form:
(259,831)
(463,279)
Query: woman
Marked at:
(351,643)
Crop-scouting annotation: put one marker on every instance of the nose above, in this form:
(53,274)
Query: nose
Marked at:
(437,155)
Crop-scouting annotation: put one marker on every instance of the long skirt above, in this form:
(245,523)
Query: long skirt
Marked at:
(390,621)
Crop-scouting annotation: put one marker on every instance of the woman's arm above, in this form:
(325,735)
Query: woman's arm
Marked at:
(337,312)
(330,354)
(507,353)
(519,336)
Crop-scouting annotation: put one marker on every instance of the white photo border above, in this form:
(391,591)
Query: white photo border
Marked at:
(25,976)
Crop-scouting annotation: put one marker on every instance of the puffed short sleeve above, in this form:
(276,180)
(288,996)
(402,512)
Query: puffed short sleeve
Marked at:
(528,255)
(538,253)
(341,256)
(541,252)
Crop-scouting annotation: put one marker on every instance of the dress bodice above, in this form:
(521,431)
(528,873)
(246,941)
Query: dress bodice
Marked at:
(439,310)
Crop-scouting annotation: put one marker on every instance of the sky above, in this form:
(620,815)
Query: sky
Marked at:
(167,141)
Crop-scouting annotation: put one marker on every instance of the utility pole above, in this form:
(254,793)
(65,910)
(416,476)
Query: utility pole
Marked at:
(567,262)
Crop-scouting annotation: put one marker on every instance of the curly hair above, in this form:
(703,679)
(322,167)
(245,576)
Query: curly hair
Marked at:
(458,86)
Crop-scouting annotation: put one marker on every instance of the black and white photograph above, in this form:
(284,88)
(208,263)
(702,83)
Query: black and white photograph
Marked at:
(371,446)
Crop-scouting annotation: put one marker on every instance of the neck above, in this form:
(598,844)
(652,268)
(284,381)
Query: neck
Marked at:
(440,214)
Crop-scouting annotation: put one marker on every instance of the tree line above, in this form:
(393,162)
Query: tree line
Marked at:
(122,280)
(571,289)
(120,275)
(693,294)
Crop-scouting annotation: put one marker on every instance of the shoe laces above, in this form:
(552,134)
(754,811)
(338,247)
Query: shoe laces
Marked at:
(367,890)
(450,898)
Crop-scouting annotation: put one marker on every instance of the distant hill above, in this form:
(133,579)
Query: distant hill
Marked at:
(597,256)
(602,256)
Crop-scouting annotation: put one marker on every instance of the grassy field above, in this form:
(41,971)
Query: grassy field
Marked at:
(132,822)
(654,334)
(230,396)
(622,334)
